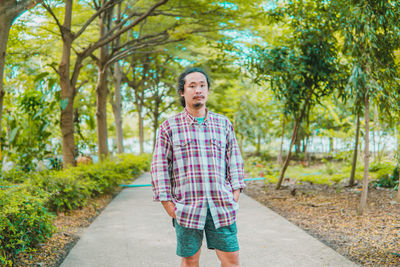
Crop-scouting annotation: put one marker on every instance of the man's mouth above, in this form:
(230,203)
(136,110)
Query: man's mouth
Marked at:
(198,97)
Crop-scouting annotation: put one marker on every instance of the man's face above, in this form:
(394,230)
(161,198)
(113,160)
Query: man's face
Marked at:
(195,90)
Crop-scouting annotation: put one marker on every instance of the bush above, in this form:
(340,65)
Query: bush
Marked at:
(66,191)
(383,173)
(72,188)
(24,222)
(15,176)
(24,217)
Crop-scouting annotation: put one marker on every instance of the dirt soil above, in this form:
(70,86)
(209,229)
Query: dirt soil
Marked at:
(329,213)
(70,226)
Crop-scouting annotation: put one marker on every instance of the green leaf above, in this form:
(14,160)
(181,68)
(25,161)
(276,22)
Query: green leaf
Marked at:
(13,134)
(41,76)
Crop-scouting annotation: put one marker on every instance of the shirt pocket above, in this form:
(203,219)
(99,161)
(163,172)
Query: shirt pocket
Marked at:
(181,149)
(218,148)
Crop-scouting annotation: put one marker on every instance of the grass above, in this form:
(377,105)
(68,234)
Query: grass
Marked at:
(325,172)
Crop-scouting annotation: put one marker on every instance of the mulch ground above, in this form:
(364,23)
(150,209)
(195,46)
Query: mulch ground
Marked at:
(69,227)
(329,213)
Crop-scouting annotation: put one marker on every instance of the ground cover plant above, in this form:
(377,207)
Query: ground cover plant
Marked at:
(382,174)
(28,210)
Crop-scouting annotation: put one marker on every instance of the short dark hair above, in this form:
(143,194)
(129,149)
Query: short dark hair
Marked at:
(181,81)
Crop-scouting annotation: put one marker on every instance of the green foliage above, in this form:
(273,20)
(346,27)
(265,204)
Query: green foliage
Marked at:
(305,68)
(15,176)
(385,174)
(30,124)
(66,190)
(24,222)
(257,167)
(329,166)
(72,188)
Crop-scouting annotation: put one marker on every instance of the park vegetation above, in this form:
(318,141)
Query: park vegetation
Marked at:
(76,74)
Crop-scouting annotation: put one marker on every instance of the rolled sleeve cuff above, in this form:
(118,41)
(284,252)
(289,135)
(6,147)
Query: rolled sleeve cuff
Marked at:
(236,184)
(163,196)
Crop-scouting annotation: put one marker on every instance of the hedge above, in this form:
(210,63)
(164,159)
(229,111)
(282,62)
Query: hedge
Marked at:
(27,212)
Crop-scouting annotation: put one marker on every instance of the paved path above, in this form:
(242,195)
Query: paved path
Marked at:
(134,231)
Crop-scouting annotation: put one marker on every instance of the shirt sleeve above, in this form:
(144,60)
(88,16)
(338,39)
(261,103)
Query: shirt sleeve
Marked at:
(160,171)
(234,161)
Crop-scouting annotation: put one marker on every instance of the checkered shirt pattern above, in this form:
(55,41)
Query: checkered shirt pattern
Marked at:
(198,165)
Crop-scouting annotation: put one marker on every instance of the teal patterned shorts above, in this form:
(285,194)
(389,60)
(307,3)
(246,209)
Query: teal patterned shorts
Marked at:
(189,240)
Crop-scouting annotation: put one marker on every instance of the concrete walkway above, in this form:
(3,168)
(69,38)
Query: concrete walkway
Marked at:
(134,231)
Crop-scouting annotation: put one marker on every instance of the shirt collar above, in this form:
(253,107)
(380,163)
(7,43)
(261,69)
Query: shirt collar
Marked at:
(192,119)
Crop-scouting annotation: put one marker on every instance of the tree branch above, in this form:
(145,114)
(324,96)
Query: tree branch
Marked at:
(48,8)
(108,5)
(54,68)
(106,39)
(149,36)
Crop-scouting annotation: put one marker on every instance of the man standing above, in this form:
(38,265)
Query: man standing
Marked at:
(197,174)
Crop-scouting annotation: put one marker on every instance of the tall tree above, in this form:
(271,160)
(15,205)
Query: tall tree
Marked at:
(306,70)
(161,90)
(138,79)
(371,37)
(69,75)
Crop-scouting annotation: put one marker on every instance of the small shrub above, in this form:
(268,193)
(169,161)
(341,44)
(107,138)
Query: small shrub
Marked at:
(383,173)
(316,179)
(396,173)
(345,156)
(24,222)
(272,178)
(329,167)
(384,166)
(66,190)
(15,176)
(71,188)
(337,178)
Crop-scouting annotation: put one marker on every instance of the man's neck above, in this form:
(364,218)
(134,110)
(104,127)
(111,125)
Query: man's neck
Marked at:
(197,113)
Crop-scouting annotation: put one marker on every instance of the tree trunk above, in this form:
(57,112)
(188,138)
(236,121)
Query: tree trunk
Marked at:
(5,25)
(280,156)
(101,112)
(297,146)
(287,160)
(117,107)
(354,164)
(258,144)
(117,102)
(241,143)
(373,133)
(101,95)
(141,128)
(364,193)
(330,145)
(155,128)
(398,162)
(67,92)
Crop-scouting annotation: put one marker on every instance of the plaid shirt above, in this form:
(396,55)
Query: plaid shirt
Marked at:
(198,166)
